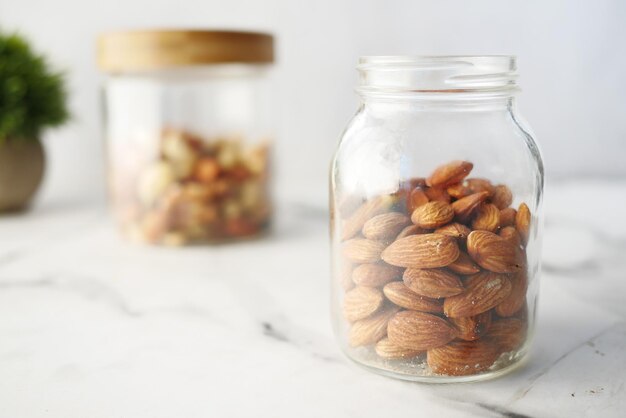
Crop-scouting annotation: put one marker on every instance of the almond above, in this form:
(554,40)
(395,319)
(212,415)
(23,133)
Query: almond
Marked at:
(494,253)
(507,217)
(385,226)
(370,330)
(361,250)
(345,276)
(487,218)
(458,191)
(437,194)
(484,291)
(464,265)
(461,358)
(508,334)
(455,230)
(432,215)
(398,293)
(510,234)
(502,197)
(464,208)
(388,350)
(419,331)
(361,302)
(472,327)
(517,298)
(522,221)
(367,210)
(432,283)
(450,173)
(416,198)
(375,274)
(480,185)
(411,230)
(422,251)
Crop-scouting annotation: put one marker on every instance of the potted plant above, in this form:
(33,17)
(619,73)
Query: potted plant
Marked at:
(32,97)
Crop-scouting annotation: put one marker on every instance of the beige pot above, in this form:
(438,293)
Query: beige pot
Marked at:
(22,165)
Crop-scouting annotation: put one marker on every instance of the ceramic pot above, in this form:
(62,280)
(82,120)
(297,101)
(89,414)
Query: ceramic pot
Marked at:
(22,165)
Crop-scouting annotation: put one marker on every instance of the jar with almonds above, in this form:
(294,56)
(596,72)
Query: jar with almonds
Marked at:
(436,191)
(188,129)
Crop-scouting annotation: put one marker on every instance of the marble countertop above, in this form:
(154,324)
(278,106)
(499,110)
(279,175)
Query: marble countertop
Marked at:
(93,327)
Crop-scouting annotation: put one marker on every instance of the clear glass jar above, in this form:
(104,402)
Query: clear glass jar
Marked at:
(188,126)
(436,191)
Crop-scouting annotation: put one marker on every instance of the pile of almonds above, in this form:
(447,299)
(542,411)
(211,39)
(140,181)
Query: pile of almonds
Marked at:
(192,190)
(437,269)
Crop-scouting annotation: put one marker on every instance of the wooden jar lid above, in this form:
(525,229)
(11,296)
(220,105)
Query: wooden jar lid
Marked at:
(157,49)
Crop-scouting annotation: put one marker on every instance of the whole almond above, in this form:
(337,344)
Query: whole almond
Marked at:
(398,293)
(419,331)
(432,283)
(437,194)
(464,208)
(508,333)
(450,173)
(480,185)
(464,265)
(484,291)
(345,275)
(375,274)
(411,230)
(494,253)
(385,226)
(507,217)
(422,251)
(455,230)
(487,218)
(361,302)
(458,191)
(522,221)
(371,330)
(502,197)
(432,215)
(388,350)
(361,250)
(416,198)
(461,358)
(367,210)
(510,234)
(513,303)
(472,327)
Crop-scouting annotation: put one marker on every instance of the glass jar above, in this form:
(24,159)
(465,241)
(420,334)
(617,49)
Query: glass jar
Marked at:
(188,128)
(436,190)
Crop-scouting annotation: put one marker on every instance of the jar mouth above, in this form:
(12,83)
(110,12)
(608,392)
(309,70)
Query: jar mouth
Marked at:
(438,74)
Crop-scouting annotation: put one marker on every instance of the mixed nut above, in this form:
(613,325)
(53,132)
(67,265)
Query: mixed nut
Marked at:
(193,189)
(437,272)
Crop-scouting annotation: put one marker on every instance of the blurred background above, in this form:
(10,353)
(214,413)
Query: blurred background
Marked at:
(571,54)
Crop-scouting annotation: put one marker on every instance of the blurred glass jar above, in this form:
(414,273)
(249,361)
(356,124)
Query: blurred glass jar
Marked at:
(436,191)
(188,125)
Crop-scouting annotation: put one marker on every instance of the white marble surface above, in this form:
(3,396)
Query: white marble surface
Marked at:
(93,327)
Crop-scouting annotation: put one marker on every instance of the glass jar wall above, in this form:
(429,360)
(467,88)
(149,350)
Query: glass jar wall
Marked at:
(436,191)
(188,128)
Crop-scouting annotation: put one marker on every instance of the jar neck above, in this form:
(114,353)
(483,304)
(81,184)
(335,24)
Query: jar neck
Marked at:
(444,103)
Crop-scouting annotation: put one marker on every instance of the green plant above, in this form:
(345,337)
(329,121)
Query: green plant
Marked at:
(32,96)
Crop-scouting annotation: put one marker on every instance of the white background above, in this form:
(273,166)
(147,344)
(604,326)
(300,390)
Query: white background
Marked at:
(572,61)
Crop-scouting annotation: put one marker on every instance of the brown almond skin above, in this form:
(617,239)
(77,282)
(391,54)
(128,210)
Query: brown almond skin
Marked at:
(375,274)
(464,208)
(432,283)
(507,217)
(432,215)
(371,330)
(464,265)
(487,218)
(522,222)
(399,294)
(354,223)
(412,230)
(513,303)
(502,196)
(449,174)
(483,291)
(361,302)
(416,198)
(510,234)
(472,327)
(388,350)
(455,230)
(361,250)
(477,185)
(385,226)
(462,358)
(508,333)
(421,251)
(494,253)
(458,191)
(419,331)
(436,194)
